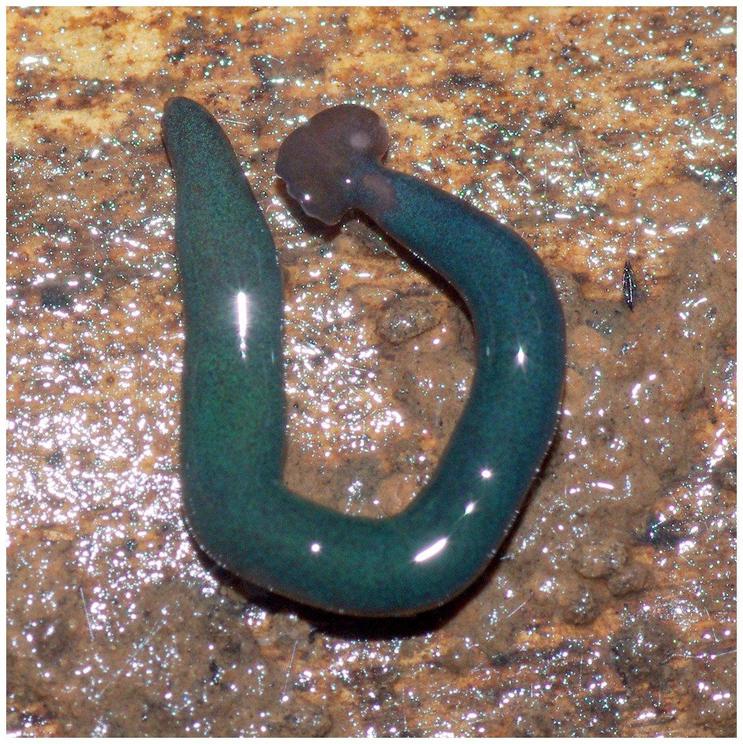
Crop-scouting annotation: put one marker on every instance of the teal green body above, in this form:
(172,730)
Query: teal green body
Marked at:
(233,409)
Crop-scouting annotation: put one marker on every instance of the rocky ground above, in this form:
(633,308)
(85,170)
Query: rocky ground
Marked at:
(603,137)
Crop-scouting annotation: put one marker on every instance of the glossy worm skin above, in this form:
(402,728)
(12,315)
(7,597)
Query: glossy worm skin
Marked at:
(233,409)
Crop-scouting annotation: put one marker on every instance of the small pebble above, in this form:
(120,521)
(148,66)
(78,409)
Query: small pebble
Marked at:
(406,318)
(628,580)
(641,650)
(583,609)
(597,559)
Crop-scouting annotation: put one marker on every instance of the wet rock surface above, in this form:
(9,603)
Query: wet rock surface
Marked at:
(601,136)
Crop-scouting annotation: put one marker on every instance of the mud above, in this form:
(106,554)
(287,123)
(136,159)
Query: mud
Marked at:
(601,136)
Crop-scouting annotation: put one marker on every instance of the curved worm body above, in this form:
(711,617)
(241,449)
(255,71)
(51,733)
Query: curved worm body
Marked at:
(233,413)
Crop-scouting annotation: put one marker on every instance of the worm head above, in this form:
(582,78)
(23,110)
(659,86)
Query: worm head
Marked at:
(322,161)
